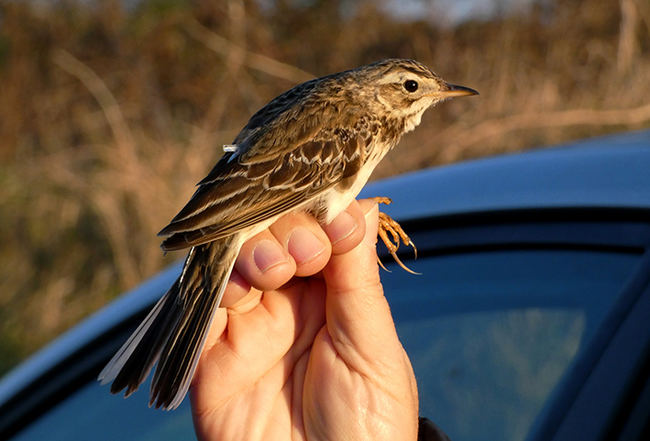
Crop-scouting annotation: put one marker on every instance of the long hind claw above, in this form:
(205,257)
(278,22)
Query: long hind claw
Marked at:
(404,267)
(381,264)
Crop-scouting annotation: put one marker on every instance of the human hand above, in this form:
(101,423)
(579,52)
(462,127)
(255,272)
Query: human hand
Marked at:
(305,346)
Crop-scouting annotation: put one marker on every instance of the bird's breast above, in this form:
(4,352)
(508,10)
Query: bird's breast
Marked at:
(337,199)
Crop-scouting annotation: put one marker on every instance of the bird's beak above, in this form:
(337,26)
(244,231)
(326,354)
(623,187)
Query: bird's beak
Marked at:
(452,90)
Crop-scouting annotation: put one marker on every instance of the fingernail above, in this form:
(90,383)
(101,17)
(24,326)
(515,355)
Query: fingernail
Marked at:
(268,254)
(341,227)
(368,206)
(303,245)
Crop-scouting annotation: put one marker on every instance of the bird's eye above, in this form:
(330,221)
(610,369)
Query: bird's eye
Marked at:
(411,85)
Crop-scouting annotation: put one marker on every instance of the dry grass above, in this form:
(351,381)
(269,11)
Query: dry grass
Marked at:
(108,117)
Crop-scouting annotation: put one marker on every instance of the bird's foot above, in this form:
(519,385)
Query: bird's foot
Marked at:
(397,236)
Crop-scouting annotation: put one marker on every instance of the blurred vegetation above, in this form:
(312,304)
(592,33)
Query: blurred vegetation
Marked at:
(110,112)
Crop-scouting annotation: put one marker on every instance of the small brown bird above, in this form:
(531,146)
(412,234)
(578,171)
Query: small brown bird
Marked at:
(312,148)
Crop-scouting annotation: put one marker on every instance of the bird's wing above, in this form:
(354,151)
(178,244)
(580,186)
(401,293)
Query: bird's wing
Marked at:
(248,188)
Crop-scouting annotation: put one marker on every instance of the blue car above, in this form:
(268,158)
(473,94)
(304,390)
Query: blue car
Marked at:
(530,319)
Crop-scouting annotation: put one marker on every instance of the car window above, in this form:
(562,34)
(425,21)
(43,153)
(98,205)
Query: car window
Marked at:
(490,335)
(93,413)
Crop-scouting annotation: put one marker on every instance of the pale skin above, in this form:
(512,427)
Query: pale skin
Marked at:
(313,357)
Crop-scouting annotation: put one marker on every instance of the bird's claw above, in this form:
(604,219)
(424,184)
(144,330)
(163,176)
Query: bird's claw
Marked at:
(382,200)
(381,264)
(397,236)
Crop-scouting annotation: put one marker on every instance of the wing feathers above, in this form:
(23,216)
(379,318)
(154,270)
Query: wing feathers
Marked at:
(185,239)
(242,195)
(260,169)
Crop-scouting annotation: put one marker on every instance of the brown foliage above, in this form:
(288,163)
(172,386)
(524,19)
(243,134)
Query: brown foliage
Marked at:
(108,115)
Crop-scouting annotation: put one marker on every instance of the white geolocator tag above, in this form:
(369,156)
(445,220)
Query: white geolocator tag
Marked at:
(229,148)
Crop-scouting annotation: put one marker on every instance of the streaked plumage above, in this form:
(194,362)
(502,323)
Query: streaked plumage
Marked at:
(311,148)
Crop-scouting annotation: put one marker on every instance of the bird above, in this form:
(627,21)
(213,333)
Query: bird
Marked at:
(310,149)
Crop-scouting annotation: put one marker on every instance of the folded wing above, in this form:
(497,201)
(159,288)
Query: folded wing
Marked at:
(239,193)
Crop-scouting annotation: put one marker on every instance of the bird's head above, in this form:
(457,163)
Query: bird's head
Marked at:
(406,88)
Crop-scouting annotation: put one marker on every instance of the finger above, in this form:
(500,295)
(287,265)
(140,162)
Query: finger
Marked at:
(347,229)
(239,297)
(358,316)
(304,240)
(277,331)
(264,263)
(236,289)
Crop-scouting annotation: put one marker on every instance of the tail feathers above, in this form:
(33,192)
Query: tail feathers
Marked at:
(174,332)
(132,363)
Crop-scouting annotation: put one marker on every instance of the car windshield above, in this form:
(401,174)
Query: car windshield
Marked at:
(490,334)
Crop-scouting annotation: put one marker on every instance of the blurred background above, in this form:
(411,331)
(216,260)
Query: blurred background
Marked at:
(111,111)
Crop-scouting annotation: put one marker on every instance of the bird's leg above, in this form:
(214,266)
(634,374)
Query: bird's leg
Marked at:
(388,225)
(398,236)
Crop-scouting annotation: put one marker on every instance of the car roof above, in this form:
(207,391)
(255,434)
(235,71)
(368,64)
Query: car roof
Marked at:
(610,172)
(605,172)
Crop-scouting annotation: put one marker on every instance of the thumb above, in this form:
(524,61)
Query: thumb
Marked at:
(359,321)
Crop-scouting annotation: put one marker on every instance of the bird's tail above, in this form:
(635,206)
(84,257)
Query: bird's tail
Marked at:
(174,332)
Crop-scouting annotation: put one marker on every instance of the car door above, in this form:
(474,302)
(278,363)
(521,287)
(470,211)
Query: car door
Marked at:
(523,325)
